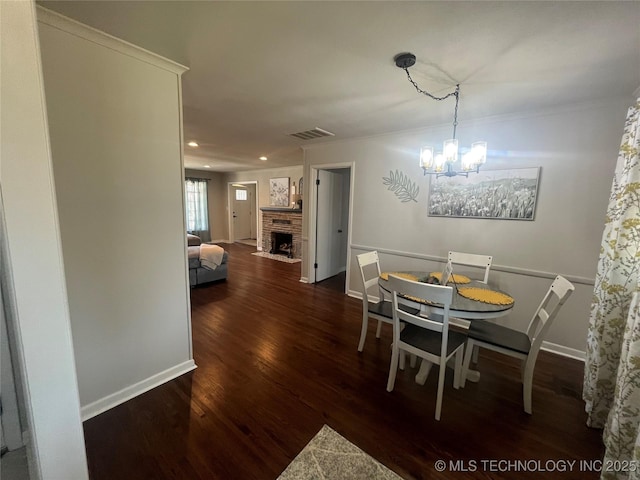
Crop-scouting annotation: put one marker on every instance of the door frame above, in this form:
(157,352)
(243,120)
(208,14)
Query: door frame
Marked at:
(313,192)
(230,201)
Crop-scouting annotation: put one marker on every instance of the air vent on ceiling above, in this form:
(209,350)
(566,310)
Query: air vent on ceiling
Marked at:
(315,133)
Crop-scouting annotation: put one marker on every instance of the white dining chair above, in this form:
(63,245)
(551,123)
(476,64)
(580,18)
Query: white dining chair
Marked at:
(522,345)
(425,338)
(380,310)
(472,260)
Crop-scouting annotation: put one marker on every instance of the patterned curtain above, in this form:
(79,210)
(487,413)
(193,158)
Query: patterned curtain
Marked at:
(617,279)
(622,432)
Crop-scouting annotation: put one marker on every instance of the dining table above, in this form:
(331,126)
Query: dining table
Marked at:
(462,307)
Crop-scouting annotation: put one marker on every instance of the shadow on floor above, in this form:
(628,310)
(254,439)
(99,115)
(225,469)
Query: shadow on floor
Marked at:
(336,283)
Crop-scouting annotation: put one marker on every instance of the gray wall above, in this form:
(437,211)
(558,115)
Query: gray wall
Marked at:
(576,146)
(114,116)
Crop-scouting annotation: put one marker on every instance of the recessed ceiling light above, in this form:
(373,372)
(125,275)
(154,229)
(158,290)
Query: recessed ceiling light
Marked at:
(207,166)
(263,158)
(192,144)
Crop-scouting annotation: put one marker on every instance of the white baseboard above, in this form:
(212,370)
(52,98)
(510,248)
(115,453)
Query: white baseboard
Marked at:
(304,279)
(358,295)
(127,393)
(564,351)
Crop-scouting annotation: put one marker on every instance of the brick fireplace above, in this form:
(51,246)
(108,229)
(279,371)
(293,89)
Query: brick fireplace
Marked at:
(277,225)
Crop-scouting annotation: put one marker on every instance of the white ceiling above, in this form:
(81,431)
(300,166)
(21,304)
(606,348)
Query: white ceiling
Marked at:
(262,70)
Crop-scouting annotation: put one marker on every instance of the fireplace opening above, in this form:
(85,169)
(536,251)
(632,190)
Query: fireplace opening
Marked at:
(282,244)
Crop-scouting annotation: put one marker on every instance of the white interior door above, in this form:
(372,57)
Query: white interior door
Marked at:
(328,225)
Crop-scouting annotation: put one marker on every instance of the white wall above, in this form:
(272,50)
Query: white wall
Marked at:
(33,271)
(115,122)
(576,146)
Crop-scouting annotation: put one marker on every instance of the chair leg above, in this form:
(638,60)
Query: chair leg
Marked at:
(363,332)
(441,374)
(379,329)
(457,371)
(527,384)
(402,359)
(468,351)
(393,368)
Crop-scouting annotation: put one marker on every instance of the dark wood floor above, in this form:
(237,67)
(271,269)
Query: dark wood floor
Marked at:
(277,359)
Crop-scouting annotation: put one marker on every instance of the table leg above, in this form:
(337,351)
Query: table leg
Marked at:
(423,373)
(425,368)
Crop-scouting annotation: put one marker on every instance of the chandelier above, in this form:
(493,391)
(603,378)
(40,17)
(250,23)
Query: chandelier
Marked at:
(445,163)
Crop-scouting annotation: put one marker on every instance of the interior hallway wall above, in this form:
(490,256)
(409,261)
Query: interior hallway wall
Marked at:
(115,123)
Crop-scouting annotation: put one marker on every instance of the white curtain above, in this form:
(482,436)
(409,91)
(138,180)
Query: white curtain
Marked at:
(612,365)
(197,208)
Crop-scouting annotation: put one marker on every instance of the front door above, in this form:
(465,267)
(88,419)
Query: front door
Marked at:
(243,213)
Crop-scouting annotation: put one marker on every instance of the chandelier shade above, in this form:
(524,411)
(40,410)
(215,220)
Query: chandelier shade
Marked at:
(447,162)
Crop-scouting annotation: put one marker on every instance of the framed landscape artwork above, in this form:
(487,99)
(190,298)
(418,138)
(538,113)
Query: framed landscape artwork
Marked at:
(279,192)
(499,194)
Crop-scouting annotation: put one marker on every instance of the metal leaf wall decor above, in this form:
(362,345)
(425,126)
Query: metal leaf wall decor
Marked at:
(400,184)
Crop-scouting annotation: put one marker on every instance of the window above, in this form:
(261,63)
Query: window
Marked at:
(197,208)
(241,194)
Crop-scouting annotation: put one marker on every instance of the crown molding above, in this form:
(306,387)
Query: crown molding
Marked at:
(66,24)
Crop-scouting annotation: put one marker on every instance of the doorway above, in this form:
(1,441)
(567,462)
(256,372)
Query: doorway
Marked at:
(243,217)
(330,226)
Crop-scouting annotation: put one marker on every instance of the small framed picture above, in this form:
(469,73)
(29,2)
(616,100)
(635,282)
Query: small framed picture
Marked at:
(279,192)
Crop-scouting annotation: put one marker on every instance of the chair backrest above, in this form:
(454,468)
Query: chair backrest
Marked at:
(432,293)
(446,273)
(369,275)
(472,260)
(558,293)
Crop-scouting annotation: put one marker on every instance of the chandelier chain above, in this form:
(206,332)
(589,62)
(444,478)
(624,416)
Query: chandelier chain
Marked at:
(455,93)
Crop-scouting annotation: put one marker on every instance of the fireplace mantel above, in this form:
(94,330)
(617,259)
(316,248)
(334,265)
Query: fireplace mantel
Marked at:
(282,210)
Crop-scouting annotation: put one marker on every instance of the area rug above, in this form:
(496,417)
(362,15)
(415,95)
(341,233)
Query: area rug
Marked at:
(329,456)
(280,258)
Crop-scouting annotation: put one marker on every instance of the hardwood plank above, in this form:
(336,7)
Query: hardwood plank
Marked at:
(277,359)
